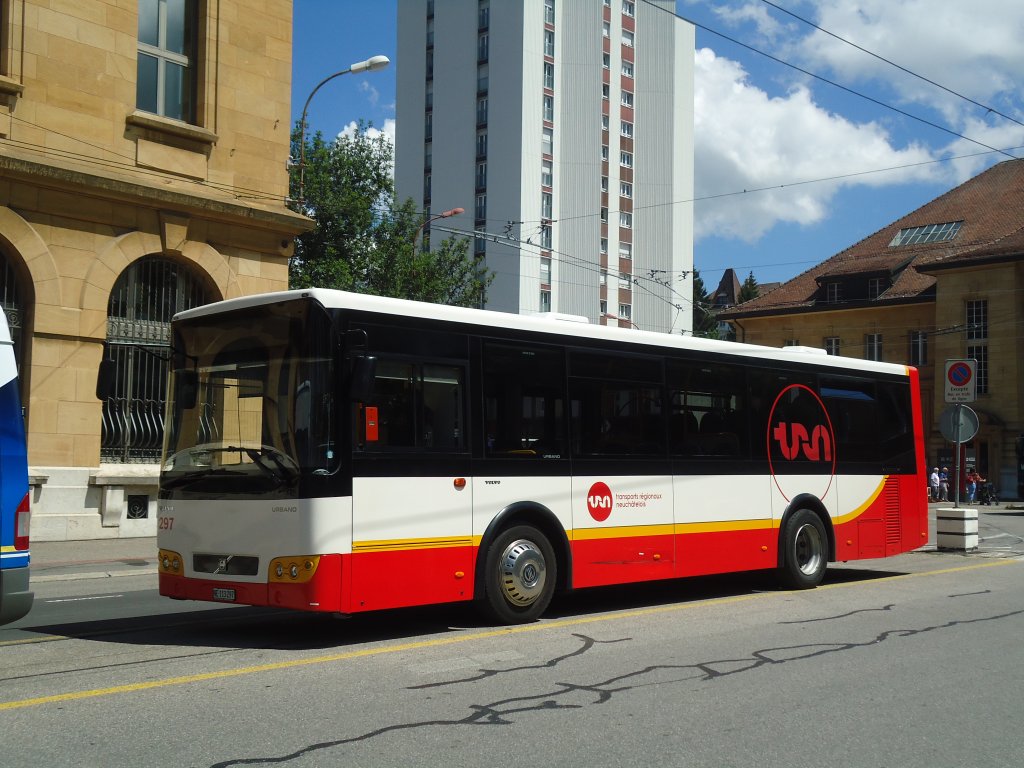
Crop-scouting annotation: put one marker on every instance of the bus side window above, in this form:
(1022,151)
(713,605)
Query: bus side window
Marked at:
(419,407)
(710,412)
(524,402)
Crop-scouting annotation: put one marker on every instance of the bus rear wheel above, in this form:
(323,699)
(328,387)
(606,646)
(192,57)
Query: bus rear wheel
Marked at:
(804,551)
(519,575)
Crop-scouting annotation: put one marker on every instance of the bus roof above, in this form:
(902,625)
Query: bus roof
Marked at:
(333,299)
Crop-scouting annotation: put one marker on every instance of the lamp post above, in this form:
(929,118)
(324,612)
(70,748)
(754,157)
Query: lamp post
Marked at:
(371,64)
(441,215)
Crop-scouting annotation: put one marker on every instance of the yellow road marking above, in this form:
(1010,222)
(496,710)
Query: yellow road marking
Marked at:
(30,640)
(443,641)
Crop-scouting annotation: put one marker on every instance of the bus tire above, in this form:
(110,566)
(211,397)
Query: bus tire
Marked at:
(804,550)
(519,575)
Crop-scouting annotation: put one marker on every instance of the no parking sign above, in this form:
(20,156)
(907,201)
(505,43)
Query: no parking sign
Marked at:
(961,381)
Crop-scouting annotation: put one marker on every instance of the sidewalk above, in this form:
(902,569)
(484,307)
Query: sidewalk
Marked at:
(96,559)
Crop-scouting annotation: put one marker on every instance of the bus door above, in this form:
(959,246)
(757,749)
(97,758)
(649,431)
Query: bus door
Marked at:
(525,463)
(622,495)
(412,494)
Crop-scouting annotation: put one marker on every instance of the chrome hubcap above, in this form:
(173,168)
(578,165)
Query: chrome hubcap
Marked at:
(522,572)
(808,549)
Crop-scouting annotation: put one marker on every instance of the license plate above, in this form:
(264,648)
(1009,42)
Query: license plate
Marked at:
(223,594)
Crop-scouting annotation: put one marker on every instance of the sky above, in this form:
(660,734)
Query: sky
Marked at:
(798,154)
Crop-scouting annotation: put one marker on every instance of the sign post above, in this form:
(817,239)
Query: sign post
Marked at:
(961,386)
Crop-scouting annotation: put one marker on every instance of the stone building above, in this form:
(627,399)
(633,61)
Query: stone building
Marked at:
(143,170)
(943,282)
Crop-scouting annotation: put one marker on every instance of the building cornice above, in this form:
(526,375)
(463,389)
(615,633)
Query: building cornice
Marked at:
(969,263)
(197,199)
(10,87)
(821,308)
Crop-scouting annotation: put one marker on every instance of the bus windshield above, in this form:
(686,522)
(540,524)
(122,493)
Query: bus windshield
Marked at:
(251,403)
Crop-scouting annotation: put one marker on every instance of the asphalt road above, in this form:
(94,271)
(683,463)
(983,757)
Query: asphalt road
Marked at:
(912,661)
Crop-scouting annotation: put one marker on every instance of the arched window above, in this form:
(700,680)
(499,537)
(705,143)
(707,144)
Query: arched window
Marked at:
(143,300)
(11,299)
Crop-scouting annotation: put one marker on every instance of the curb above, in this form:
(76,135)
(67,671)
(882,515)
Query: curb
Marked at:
(94,575)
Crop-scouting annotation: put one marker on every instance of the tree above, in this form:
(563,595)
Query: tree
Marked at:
(445,275)
(363,240)
(704,322)
(749,290)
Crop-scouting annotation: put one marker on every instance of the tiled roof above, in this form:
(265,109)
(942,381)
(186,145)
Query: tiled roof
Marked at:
(991,206)
(728,290)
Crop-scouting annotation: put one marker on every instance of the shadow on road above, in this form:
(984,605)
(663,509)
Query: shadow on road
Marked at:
(243,627)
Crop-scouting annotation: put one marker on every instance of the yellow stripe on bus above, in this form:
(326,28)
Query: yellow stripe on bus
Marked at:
(863,507)
(613,532)
(389,545)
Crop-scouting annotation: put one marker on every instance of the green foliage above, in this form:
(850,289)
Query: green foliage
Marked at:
(363,241)
(704,323)
(749,290)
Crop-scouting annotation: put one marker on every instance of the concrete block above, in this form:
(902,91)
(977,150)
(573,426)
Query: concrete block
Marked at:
(957,542)
(956,529)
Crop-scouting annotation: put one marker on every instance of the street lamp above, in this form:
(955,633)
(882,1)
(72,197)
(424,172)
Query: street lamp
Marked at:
(441,215)
(622,320)
(371,64)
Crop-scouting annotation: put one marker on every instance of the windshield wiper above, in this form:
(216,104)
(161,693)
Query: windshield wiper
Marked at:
(198,474)
(277,471)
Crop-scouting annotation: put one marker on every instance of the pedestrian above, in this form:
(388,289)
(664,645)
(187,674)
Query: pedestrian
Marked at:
(933,484)
(944,484)
(971,485)
(977,482)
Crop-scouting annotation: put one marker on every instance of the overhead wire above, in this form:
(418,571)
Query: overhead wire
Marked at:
(968,99)
(833,83)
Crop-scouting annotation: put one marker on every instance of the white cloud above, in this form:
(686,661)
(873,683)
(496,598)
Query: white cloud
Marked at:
(747,140)
(767,26)
(373,131)
(971,48)
(388,132)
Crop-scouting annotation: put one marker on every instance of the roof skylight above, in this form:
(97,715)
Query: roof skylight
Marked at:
(929,233)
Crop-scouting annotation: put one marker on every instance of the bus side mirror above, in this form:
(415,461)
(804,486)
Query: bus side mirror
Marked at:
(186,388)
(361,380)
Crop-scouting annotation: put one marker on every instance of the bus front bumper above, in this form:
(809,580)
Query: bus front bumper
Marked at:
(320,593)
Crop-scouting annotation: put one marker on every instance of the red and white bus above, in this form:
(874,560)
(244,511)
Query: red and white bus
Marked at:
(327,451)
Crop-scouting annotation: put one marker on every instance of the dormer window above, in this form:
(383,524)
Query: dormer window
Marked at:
(833,292)
(876,287)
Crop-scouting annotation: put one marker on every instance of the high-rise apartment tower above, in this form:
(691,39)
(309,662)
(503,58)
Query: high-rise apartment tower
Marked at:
(564,128)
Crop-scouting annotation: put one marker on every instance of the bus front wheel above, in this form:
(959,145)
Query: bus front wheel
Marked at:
(804,551)
(519,575)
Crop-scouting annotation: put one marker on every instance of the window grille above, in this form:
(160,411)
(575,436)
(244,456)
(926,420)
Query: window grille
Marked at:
(139,313)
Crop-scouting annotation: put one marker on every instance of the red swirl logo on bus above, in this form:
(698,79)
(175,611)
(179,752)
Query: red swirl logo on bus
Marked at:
(801,442)
(599,501)
(793,441)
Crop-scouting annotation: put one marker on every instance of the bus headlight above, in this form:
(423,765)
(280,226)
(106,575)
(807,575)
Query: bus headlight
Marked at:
(293,570)
(169,562)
